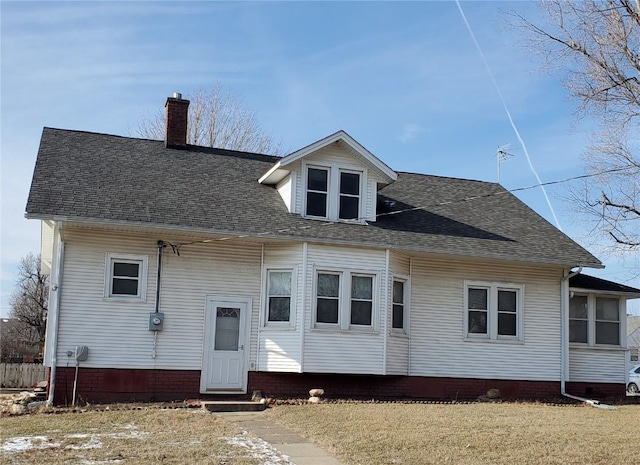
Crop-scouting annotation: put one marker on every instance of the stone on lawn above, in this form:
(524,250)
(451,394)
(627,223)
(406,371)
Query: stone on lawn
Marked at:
(493,393)
(316,392)
(314,400)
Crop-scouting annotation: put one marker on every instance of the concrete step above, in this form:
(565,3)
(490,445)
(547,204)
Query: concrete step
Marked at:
(233,406)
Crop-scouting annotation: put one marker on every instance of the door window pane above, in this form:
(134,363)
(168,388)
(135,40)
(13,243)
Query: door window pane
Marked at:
(227,328)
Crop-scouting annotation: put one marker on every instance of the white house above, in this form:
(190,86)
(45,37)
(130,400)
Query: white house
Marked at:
(188,271)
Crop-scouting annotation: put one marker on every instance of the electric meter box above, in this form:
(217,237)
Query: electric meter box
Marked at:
(156,321)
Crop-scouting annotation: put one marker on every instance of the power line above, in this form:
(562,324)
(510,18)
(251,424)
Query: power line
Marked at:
(176,247)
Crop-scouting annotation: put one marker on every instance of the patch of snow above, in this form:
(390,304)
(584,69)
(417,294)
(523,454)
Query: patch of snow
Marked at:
(94,443)
(23,443)
(260,449)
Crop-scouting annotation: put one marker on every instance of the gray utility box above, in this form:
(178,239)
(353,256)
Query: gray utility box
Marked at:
(156,321)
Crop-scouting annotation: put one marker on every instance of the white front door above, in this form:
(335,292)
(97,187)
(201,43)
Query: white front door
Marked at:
(223,360)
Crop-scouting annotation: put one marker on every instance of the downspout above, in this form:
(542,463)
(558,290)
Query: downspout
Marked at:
(564,342)
(56,314)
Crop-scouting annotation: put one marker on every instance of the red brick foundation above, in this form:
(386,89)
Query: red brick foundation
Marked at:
(104,385)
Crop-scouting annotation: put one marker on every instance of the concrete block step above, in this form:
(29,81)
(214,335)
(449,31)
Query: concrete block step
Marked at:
(217,406)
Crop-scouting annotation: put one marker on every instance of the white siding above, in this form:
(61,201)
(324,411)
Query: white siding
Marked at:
(438,347)
(280,349)
(334,351)
(117,332)
(397,344)
(597,365)
(46,246)
(284,189)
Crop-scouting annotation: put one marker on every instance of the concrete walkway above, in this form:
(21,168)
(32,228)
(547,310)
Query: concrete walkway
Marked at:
(299,451)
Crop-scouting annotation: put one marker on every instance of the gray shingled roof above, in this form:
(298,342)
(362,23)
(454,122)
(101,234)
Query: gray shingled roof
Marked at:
(584,281)
(88,176)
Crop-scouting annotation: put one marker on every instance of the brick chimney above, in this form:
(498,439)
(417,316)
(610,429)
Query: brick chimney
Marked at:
(175,121)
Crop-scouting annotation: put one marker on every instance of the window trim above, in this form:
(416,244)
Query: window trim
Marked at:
(360,174)
(492,311)
(406,293)
(592,320)
(327,169)
(264,314)
(110,259)
(344,300)
(333,191)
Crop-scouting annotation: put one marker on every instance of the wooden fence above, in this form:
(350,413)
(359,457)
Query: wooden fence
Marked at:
(21,375)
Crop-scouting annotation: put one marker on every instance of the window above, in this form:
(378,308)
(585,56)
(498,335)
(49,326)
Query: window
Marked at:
(328,298)
(349,196)
(398,312)
(333,193)
(317,191)
(594,320)
(126,276)
(578,319)
(493,311)
(279,296)
(361,300)
(344,307)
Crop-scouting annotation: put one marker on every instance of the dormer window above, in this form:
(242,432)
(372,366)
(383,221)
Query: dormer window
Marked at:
(349,195)
(333,193)
(317,191)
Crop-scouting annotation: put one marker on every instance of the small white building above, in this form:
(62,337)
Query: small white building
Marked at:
(190,271)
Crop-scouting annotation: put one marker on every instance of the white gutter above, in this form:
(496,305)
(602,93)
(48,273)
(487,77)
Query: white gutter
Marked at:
(564,343)
(53,317)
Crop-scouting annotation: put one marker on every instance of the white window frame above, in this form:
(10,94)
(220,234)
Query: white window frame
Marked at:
(333,192)
(358,196)
(344,300)
(141,260)
(492,311)
(406,304)
(591,320)
(292,302)
(307,190)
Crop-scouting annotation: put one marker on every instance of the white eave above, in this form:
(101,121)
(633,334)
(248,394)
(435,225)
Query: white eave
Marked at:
(279,171)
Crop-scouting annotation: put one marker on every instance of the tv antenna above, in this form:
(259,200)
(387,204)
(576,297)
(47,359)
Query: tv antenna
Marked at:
(502,155)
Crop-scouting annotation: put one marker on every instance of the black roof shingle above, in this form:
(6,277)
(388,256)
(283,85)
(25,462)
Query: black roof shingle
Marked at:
(88,176)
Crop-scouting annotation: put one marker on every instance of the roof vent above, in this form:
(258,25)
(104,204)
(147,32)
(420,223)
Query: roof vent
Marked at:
(177,95)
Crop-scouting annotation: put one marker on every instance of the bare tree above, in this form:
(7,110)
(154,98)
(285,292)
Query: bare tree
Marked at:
(594,46)
(29,303)
(217,119)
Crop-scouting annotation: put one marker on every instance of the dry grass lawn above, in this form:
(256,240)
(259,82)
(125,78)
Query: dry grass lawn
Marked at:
(149,436)
(508,433)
